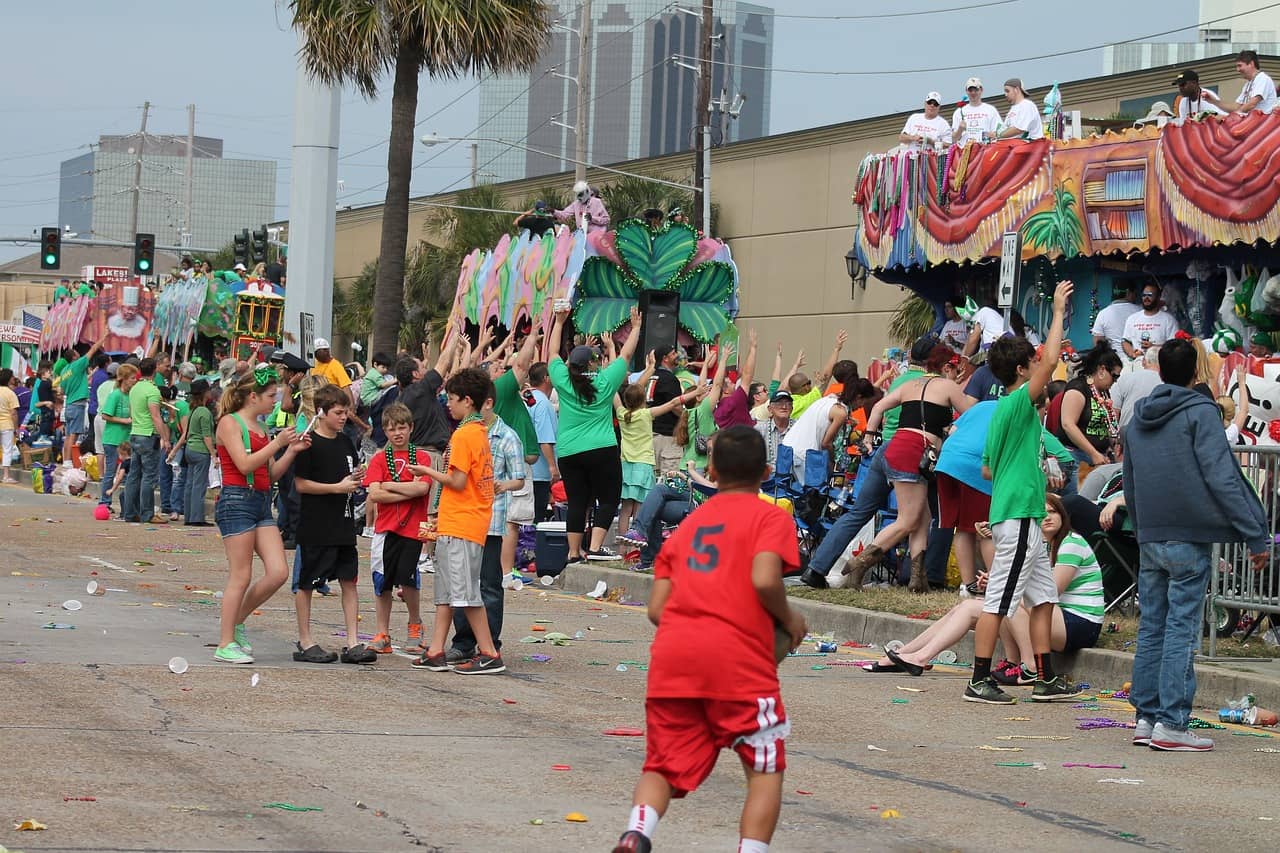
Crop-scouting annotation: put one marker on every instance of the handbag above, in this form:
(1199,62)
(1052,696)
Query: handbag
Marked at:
(701,443)
(929,458)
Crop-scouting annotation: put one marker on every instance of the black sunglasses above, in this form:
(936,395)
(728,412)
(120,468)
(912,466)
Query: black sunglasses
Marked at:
(931,103)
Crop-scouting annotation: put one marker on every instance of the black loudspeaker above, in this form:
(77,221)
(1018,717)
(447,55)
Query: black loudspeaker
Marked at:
(660,315)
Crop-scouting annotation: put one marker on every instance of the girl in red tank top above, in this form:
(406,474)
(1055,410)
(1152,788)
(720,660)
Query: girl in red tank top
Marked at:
(243,511)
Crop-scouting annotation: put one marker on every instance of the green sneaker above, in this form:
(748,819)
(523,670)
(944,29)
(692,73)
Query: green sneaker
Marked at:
(987,692)
(232,653)
(242,639)
(1058,689)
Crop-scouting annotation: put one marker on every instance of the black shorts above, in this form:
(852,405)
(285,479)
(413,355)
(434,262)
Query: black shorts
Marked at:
(1081,633)
(324,563)
(400,561)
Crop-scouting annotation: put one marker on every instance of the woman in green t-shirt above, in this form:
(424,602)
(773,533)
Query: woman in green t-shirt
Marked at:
(198,447)
(118,421)
(697,425)
(586,444)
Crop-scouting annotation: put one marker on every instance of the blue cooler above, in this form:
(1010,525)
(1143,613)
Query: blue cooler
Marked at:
(551,549)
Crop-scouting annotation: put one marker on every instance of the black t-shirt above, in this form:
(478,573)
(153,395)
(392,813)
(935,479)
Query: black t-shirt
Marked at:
(430,429)
(274,272)
(665,389)
(326,519)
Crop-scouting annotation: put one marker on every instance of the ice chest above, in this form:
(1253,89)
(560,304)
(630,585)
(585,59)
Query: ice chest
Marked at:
(551,548)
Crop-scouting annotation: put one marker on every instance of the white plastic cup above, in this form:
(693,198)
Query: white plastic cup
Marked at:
(178,665)
(94,588)
(71,604)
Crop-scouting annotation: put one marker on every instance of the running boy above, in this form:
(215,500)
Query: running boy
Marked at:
(1021,571)
(718,584)
(466,506)
(401,499)
(325,475)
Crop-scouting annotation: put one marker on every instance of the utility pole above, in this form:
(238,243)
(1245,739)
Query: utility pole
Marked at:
(137,172)
(475,164)
(584,91)
(186,237)
(702,119)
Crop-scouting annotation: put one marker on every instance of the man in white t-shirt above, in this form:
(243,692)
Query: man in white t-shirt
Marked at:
(974,121)
(1151,326)
(1192,100)
(988,325)
(1023,120)
(1110,323)
(927,128)
(1259,92)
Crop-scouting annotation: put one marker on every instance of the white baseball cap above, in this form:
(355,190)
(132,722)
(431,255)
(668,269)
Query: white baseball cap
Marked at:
(239,267)
(933,96)
(321,343)
(973,82)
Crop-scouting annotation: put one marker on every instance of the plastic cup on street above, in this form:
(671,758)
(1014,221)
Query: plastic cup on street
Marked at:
(178,665)
(94,588)
(546,580)
(71,604)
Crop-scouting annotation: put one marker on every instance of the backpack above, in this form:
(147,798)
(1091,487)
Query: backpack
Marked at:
(1053,418)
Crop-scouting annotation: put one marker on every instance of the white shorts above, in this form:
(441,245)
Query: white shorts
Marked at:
(520,508)
(375,552)
(1021,571)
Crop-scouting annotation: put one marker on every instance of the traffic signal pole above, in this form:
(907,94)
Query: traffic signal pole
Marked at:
(137,170)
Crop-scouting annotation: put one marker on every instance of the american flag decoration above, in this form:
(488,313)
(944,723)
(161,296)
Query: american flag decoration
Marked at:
(31,328)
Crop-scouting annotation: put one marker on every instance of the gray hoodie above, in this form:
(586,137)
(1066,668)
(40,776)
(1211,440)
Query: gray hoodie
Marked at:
(1181,481)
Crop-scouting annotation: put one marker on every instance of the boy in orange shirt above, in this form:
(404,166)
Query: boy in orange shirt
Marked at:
(466,504)
(718,583)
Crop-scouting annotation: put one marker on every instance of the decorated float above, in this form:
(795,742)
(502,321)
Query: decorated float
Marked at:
(1194,205)
(518,283)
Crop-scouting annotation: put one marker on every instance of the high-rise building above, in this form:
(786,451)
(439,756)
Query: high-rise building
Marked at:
(1224,27)
(642,101)
(95,195)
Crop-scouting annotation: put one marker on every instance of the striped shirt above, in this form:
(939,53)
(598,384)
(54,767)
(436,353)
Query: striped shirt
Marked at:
(508,464)
(1084,595)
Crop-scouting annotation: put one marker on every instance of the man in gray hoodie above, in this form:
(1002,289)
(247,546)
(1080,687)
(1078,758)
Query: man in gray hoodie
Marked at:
(1184,491)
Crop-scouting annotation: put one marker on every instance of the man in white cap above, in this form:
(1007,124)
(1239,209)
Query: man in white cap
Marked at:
(974,121)
(927,128)
(1023,120)
(240,270)
(586,209)
(330,368)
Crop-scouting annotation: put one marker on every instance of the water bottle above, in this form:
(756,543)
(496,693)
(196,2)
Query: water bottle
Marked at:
(1242,710)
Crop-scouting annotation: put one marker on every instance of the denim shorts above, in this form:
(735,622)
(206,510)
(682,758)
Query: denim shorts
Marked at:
(240,510)
(73,414)
(893,475)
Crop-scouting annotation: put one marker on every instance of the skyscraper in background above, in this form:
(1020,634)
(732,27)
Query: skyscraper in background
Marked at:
(1227,27)
(642,102)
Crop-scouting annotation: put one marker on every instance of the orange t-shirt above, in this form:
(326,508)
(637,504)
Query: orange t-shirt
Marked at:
(465,513)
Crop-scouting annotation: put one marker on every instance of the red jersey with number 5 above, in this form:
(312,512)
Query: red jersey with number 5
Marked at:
(715,639)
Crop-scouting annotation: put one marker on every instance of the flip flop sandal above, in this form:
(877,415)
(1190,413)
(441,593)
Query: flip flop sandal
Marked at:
(879,667)
(913,669)
(315,654)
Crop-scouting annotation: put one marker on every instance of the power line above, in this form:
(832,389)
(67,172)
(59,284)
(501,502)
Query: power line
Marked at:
(895,14)
(967,66)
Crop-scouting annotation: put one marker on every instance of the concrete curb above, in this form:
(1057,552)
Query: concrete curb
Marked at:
(1102,668)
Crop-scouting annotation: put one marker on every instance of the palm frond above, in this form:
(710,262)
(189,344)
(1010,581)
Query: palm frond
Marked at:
(913,318)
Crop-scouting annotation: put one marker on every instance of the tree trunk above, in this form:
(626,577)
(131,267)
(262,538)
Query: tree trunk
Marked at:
(388,295)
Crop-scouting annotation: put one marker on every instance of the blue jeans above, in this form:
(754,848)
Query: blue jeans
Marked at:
(491,593)
(1071,474)
(164,474)
(140,485)
(111,458)
(663,503)
(197,483)
(873,496)
(1171,587)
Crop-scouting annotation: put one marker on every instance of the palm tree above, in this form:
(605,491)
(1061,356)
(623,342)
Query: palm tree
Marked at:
(356,42)
(629,197)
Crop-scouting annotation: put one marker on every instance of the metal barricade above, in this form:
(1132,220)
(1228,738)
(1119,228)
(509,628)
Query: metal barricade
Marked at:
(1233,583)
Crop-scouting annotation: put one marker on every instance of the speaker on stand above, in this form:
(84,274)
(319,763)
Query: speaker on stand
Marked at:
(660,316)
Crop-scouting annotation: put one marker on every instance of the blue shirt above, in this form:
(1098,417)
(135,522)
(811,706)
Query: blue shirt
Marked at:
(99,376)
(961,456)
(983,385)
(544,425)
(508,464)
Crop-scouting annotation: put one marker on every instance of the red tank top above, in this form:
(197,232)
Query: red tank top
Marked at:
(259,478)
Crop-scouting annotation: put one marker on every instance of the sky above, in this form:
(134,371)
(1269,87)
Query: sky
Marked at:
(236,61)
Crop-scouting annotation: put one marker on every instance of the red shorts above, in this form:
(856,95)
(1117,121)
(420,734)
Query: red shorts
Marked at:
(960,506)
(684,737)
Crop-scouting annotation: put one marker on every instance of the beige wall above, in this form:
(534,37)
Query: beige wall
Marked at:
(786,213)
(14,295)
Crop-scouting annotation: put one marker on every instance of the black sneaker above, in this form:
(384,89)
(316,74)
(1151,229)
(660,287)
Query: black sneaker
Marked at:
(359,653)
(481,665)
(1054,690)
(435,663)
(1012,675)
(813,578)
(633,841)
(603,554)
(987,692)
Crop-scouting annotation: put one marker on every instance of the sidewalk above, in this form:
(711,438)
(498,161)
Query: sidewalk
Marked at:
(1102,669)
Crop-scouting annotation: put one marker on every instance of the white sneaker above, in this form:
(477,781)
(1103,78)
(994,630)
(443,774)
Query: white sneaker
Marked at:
(1171,740)
(1142,733)
(426,564)
(367,533)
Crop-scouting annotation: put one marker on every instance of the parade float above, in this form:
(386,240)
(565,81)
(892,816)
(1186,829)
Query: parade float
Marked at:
(518,283)
(1194,205)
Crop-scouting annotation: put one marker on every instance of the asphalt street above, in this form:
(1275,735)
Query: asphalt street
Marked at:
(395,759)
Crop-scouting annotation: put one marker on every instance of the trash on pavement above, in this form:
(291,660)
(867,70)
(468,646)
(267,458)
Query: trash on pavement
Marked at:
(576,817)
(624,731)
(28,825)
(290,807)
(58,626)
(599,591)
(889,814)
(71,604)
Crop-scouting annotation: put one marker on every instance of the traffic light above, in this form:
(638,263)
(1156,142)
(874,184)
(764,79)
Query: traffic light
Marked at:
(259,245)
(241,247)
(144,254)
(50,248)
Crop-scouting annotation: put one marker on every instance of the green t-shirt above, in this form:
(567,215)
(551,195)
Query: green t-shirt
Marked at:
(511,407)
(586,426)
(1012,453)
(890,423)
(74,381)
(701,422)
(199,427)
(174,418)
(371,387)
(117,406)
(141,396)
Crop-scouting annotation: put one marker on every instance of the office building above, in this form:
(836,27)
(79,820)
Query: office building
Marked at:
(642,102)
(1224,28)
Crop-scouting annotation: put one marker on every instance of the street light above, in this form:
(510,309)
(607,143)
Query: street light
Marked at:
(432,139)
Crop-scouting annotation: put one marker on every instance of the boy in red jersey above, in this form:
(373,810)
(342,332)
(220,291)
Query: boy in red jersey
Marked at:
(718,582)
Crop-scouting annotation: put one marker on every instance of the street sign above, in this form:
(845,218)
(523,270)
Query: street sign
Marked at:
(307,326)
(1010,268)
(119,275)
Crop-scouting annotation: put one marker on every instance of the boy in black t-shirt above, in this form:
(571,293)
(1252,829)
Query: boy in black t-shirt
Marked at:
(325,475)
